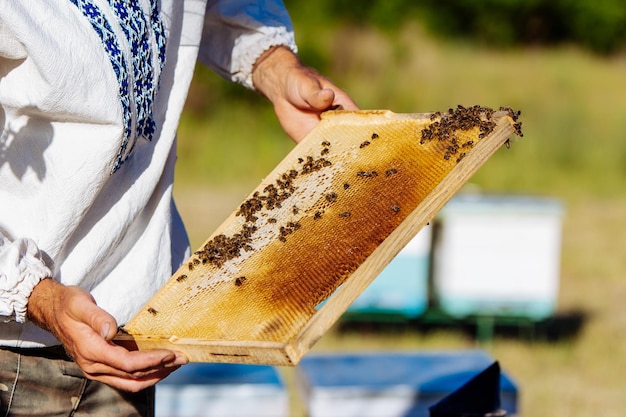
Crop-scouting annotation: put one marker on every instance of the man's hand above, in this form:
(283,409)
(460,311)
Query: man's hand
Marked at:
(86,331)
(299,94)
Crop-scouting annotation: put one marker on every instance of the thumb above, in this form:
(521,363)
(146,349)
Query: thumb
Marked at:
(321,98)
(108,329)
(99,320)
(104,324)
(311,92)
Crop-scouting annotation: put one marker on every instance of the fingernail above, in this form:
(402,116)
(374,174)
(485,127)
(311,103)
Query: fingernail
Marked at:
(104,330)
(181,359)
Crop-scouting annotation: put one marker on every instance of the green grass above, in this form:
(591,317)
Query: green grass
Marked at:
(573,109)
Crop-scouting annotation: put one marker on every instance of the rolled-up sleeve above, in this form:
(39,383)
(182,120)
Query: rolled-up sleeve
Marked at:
(236,33)
(21,269)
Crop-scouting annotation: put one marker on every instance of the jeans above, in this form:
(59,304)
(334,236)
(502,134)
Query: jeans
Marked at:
(46,382)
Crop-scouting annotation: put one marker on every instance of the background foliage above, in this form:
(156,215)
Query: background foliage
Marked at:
(598,25)
(420,56)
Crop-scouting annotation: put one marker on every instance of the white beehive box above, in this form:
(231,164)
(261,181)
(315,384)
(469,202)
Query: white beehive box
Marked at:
(498,255)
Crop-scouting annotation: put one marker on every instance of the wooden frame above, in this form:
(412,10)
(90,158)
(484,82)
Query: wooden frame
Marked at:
(376,178)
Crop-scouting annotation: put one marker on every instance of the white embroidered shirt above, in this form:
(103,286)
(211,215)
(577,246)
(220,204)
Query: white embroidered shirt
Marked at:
(90,97)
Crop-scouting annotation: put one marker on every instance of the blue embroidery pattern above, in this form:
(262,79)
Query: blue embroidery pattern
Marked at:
(138,82)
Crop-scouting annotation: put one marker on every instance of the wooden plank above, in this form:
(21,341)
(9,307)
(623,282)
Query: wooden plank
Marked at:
(326,221)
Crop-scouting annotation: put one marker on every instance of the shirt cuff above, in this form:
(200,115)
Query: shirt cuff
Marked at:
(21,269)
(249,47)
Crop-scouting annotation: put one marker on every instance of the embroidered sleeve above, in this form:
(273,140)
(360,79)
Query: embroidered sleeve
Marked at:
(236,33)
(21,268)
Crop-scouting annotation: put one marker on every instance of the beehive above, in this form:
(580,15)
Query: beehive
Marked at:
(284,266)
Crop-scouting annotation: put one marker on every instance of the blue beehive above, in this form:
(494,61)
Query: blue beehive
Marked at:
(401,289)
(391,384)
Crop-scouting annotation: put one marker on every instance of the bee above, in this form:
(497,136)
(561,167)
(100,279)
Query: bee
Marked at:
(374,135)
(326,143)
(395,209)
(284,231)
(239,281)
(364,144)
(345,214)
(152,311)
(181,278)
(318,215)
(346,186)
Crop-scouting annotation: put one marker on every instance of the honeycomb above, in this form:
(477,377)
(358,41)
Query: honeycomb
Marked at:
(304,231)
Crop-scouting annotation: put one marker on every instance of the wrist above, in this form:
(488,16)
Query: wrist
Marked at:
(268,70)
(42,301)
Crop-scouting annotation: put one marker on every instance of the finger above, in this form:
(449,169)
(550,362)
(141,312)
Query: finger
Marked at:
(341,98)
(344,101)
(100,321)
(307,91)
(92,327)
(320,98)
(135,384)
(115,360)
(82,308)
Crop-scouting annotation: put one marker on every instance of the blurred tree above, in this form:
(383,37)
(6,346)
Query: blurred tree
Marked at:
(598,25)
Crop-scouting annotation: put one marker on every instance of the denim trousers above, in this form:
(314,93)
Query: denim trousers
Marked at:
(46,382)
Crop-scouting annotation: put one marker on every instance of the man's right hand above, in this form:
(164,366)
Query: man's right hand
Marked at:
(86,331)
